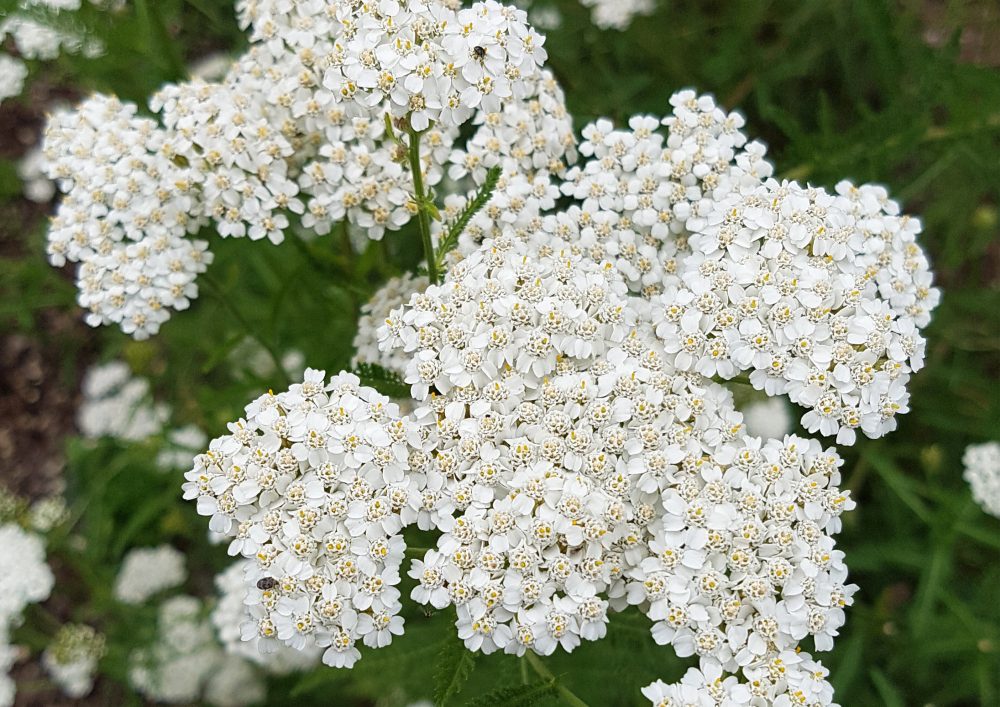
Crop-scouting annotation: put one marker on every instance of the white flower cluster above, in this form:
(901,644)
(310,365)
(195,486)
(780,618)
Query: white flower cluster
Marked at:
(532,142)
(270,140)
(31,170)
(617,14)
(426,60)
(148,571)
(71,659)
(742,563)
(785,679)
(119,405)
(553,424)
(25,578)
(515,210)
(231,612)
(124,217)
(821,296)
(982,472)
(392,295)
(185,664)
(314,486)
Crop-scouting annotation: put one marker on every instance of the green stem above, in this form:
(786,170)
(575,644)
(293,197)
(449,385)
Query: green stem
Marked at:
(545,674)
(420,195)
(345,241)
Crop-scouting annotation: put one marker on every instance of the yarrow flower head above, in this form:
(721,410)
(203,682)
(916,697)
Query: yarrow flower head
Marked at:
(185,664)
(617,14)
(315,485)
(429,61)
(821,296)
(25,578)
(982,472)
(552,422)
(637,188)
(522,137)
(125,216)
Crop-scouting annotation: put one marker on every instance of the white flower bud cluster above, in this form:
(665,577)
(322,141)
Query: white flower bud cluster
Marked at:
(71,659)
(782,679)
(231,612)
(314,486)
(820,296)
(126,211)
(741,562)
(982,472)
(118,404)
(148,571)
(396,292)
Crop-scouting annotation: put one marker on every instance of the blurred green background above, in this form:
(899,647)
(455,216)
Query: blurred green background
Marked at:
(906,94)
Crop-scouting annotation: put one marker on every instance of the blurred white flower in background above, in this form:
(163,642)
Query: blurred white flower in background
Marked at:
(119,405)
(148,571)
(71,659)
(769,418)
(982,471)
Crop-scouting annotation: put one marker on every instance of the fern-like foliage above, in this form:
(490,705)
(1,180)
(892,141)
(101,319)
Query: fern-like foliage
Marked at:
(517,696)
(482,198)
(454,665)
(383,380)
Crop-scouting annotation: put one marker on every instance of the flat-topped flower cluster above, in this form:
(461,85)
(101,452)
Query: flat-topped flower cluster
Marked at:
(571,440)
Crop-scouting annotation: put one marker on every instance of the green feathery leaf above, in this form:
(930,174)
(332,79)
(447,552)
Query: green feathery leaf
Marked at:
(454,665)
(482,198)
(518,696)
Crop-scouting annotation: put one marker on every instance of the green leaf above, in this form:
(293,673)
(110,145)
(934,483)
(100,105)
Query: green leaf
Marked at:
(384,381)
(886,690)
(482,198)
(519,696)
(454,665)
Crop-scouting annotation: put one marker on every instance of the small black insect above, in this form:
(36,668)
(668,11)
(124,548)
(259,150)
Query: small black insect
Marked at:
(267,583)
(479,53)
